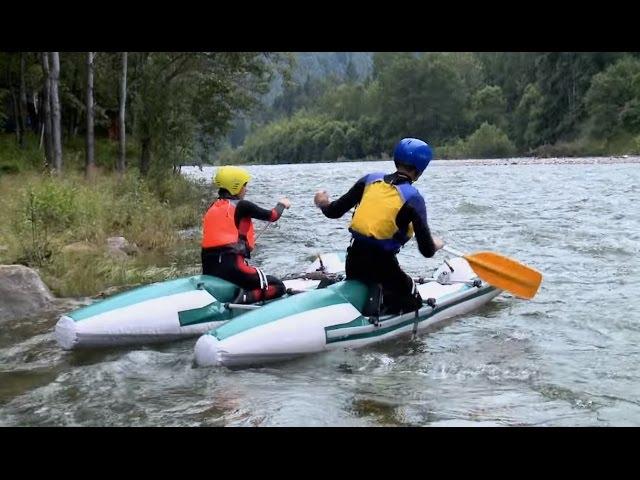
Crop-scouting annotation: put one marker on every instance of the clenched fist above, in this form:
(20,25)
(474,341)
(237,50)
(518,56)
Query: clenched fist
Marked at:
(285,201)
(437,241)
(321,198)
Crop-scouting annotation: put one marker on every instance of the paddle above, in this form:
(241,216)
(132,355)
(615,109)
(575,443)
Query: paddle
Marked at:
(502,272)
(265,229)
(262,231)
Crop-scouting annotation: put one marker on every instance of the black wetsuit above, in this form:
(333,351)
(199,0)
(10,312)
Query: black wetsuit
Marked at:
(371,264)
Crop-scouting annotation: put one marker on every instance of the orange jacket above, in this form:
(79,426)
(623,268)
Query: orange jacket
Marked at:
(220,230)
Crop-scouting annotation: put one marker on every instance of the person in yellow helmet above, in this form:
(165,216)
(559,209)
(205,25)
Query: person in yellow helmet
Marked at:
(228,237)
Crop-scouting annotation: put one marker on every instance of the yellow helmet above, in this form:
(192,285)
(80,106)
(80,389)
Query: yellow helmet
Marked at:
(231,178)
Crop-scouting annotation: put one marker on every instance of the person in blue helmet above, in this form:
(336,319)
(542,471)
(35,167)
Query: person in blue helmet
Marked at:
(390,210)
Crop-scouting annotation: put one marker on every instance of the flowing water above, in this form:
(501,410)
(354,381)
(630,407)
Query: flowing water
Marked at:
(568,357)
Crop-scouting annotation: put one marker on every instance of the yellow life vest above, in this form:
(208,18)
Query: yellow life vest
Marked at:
(374,220)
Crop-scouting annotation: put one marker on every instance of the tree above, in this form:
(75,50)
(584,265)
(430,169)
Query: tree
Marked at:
(511,71)
(382,61)
(55,112)
(181,95)
(613,99)
(47,127)
(489,105)
(422,97)
(11,82)
(563,79)
(90,162)
(23,99)
(121,116)
(351,74)
(488,141)
(528,118)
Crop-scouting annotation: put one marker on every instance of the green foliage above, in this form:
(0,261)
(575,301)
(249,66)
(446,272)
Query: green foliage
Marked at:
(48,212)
(488,141)
(423,97)
(511,71)
(489,105)
(563,78)
(303,138)
(4,93)
(613,100)
(14,159)
(181,95)
(528,117)
(183,106)
(44,210)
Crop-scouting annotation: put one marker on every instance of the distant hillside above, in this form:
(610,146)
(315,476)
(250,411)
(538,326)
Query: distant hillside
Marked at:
(319,65)
(343,66)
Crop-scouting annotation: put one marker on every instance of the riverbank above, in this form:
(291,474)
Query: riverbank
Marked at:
(542,161)
(484,161)
(85,237)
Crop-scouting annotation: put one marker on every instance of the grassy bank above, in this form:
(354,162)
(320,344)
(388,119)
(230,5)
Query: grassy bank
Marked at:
(60,225)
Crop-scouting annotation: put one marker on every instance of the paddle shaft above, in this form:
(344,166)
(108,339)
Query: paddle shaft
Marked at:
(262,231)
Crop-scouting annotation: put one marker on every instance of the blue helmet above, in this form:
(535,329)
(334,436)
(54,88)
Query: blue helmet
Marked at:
(414,152)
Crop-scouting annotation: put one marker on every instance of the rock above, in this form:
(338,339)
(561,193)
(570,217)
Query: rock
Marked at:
(189,233)
(22,293)
(117,243)
(131,249)
(118,246)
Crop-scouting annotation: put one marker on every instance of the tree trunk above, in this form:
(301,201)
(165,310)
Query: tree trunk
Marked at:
(46,112)
(55,112)
(122,162)
(36,121)
(14,101)
(90,163)
(76,112)
(145,155)
(23,99)
(16,114)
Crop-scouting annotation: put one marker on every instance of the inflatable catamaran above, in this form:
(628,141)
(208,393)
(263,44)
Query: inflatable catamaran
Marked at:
(342,315)
(174,309)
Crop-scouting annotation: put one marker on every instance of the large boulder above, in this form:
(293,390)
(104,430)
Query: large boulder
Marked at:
(22,292)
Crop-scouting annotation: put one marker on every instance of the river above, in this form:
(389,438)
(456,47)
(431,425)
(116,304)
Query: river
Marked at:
(569,357)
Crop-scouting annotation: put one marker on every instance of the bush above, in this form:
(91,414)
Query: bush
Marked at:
(48,213)
(14,159)
(456,149)
(43,210)
(488,141)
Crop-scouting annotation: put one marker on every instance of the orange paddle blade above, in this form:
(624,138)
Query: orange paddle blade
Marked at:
(505,273)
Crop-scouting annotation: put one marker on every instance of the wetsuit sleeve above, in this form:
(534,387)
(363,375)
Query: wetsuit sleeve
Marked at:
(415,212)
(339,207)
(245,209)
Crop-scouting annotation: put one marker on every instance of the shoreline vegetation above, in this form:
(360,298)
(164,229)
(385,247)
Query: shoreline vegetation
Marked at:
(68,227)
(466,105)
(586,160)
